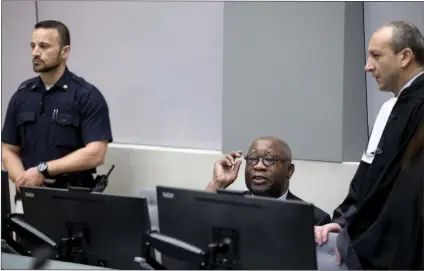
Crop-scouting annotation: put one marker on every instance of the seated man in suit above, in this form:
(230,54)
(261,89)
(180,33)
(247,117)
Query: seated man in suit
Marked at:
(268,171)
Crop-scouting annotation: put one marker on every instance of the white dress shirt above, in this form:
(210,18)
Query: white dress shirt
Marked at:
(284,196)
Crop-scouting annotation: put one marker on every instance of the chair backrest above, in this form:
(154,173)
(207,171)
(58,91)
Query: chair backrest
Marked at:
(150,195)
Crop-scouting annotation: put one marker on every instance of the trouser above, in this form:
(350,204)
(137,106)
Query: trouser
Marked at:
(326,255)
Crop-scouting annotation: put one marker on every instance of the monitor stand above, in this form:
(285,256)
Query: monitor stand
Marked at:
(75,247)
(221,254)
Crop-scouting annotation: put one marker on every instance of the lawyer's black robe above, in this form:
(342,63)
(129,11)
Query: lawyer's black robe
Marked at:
(382,214)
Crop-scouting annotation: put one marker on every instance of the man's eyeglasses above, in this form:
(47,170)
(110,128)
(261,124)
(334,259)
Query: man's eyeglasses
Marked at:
(267,160)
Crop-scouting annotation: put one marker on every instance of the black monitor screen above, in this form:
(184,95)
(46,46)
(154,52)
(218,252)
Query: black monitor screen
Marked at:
(5,198)
(112,226)
(266,233)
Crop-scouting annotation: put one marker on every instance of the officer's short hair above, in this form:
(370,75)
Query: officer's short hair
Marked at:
(407,35)
(65,38)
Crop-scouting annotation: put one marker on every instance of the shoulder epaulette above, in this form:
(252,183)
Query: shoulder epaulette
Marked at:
(27,84)
(82,82)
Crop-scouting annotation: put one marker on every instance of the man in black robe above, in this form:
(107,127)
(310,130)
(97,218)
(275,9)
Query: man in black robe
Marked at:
(380,223)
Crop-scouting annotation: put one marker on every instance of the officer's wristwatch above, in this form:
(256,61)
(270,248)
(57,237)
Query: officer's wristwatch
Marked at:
(42,168)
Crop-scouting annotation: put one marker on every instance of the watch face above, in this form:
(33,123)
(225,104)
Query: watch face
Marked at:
(42,167)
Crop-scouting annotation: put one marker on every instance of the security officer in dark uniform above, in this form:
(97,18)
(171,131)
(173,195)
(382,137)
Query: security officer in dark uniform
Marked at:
(57,125)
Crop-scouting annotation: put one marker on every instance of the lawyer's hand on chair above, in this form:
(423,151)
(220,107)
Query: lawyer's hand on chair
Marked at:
(321,236)
(225,171)
(321,232)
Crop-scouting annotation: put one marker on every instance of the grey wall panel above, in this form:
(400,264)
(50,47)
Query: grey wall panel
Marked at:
(159,65)
(355,128)
(301,80)
(375,15)
(283,76)
(18,20)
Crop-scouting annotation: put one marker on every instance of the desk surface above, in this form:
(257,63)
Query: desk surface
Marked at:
(11,261)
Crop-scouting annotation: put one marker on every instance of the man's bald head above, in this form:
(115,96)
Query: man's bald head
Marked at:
(281,145)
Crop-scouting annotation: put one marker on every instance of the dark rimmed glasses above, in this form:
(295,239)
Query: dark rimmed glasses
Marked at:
(267,160)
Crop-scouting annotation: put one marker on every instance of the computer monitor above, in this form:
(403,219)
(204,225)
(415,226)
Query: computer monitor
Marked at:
(263,233)
(5,201)
(95,228)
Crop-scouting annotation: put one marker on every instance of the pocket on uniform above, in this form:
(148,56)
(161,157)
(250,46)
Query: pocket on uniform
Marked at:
(24,122)
(67,130)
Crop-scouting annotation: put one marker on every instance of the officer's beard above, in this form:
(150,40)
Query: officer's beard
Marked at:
(47,69)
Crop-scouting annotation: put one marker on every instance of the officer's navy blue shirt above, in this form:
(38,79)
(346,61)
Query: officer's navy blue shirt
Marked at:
(48,125)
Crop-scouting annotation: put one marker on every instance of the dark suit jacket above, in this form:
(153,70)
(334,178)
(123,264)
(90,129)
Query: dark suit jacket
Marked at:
(321,217)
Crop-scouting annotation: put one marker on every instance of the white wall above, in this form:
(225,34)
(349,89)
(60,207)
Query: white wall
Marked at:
(324,184)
